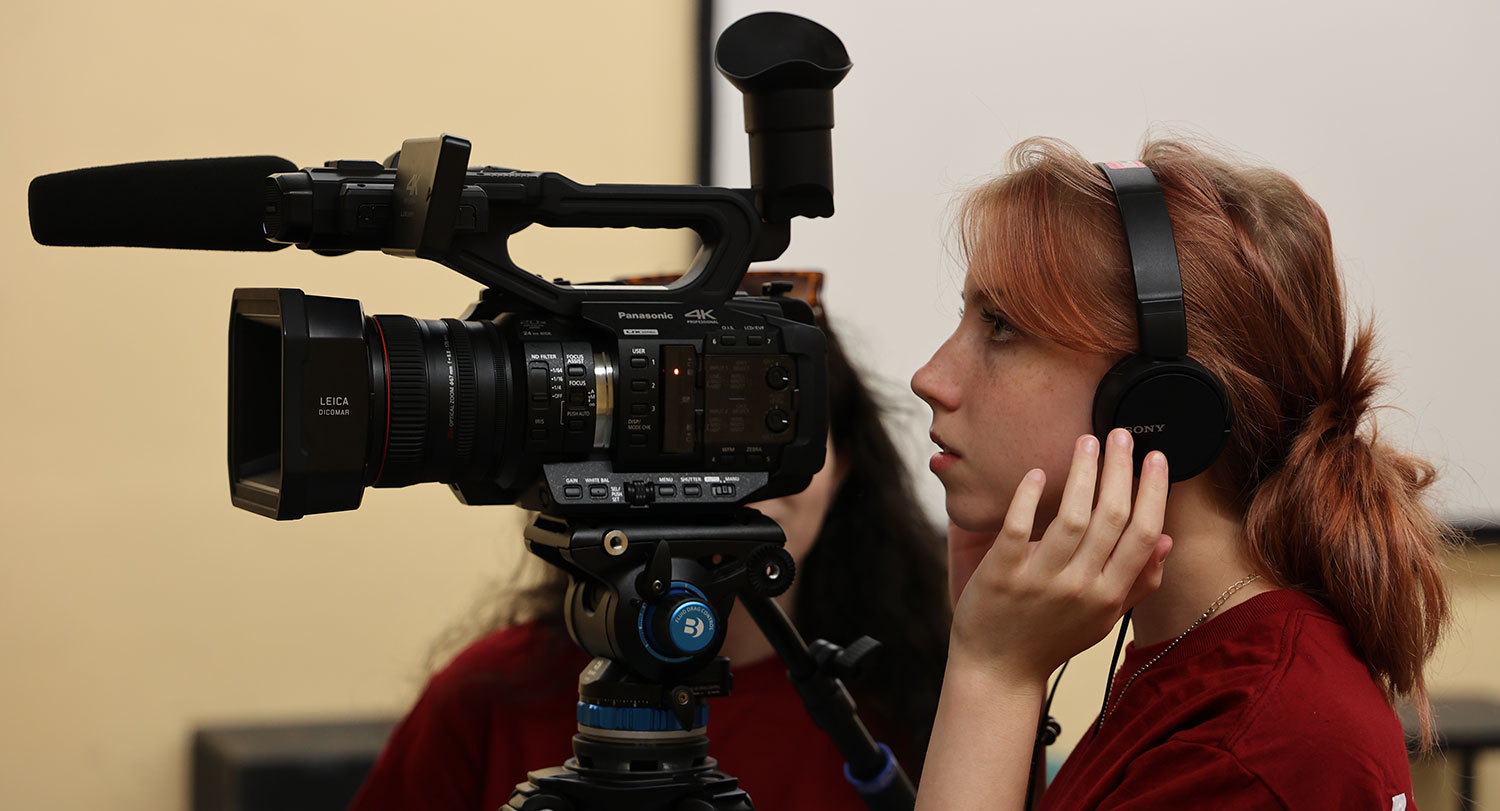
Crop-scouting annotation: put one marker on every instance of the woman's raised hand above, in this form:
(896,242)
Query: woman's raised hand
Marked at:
(1024,608)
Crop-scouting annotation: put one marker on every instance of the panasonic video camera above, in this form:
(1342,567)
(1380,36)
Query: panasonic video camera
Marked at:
(570,399)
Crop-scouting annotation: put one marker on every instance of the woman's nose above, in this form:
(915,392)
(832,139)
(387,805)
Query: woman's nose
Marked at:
(934,384)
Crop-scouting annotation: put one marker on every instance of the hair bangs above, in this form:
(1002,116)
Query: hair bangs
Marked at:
(1042,244)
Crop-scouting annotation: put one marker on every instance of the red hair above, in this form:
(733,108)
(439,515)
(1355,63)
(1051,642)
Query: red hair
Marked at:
(1328,508)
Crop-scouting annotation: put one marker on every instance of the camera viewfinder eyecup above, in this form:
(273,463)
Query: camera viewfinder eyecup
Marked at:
(786,67)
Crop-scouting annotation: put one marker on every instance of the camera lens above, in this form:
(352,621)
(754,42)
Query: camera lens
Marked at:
(324,401)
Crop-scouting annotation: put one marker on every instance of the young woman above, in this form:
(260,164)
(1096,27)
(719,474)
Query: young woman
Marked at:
(1303,593)
(868,562)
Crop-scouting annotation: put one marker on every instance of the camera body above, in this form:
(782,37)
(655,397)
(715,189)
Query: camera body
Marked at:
(686,398)
(629,405)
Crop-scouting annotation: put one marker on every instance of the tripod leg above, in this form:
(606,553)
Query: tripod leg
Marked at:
(872,769)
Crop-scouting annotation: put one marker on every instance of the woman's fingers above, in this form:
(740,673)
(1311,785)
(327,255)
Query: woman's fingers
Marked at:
(1075,510)
(1019,519)
(1112,511)
(1149,579)
(1140,538)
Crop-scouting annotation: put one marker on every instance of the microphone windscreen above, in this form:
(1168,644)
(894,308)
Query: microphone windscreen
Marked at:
(212,204)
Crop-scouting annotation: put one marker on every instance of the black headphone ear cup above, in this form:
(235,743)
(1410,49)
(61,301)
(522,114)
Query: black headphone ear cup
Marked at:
(1173,406)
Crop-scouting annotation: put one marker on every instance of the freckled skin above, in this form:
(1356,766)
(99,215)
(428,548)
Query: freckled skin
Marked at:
(1005,405)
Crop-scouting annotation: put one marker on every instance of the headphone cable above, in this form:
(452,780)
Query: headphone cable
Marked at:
(1046,735)
(1110,676)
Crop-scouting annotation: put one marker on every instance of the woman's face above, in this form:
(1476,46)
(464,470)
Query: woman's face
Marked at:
(1003,402)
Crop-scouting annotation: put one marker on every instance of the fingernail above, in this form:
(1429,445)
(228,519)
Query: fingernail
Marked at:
(1157,460)
(1090,444)
(1035,475)
(1120,438)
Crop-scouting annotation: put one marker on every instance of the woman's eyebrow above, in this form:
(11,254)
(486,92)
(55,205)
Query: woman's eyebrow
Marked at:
(978,297)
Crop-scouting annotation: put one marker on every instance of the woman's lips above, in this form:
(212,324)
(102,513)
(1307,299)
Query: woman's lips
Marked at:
(941,461)
(945,457)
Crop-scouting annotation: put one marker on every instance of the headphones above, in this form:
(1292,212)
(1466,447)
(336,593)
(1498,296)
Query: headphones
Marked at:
(1168,401)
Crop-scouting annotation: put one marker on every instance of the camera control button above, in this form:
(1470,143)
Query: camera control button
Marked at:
(637,362)
(598,491)
(575,370)
(723,489)
(640,408)
(777,420)
(778,378)
(640,385)
(755,340)
(572,491)
(666,490)
(692,489)
(640,493)
(728,340)
(352,166)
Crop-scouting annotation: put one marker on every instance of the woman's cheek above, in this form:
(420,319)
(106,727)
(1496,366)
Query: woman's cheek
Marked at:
(985,503)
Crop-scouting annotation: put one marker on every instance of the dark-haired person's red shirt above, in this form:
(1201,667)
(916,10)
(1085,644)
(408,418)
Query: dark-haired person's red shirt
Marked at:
(1265,707)
(507,705)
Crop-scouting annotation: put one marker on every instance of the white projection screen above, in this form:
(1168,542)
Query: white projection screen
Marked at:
(1388,113)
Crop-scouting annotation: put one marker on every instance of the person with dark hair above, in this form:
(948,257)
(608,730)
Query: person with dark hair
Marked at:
(1304,594)
(868,563)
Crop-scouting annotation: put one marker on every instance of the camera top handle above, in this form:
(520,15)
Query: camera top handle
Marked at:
(433,206)
(433,193)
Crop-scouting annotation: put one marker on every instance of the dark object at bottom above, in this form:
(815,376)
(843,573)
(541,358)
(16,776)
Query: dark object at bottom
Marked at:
(673,777)
(284,767)
(1466,727)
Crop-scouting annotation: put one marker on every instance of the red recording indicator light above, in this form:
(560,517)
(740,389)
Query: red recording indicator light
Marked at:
(676,371)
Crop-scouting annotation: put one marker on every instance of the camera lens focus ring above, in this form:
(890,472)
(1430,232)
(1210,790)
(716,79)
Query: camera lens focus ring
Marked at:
(463,360)
(407,382)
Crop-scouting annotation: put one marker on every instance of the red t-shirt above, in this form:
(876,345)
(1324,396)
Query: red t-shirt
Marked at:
(1265,706)
(507,705)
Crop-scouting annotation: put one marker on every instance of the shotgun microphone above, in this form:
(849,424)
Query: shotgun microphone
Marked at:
(215,204)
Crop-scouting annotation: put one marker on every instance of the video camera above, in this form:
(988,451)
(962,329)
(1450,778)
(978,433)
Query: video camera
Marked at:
(568,399)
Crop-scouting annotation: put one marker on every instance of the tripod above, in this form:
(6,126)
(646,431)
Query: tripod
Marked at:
(648,599)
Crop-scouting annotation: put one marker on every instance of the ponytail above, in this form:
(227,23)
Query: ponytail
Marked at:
(1343,519)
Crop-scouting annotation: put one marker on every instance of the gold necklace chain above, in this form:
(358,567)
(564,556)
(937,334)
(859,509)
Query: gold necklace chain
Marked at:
(1202,618)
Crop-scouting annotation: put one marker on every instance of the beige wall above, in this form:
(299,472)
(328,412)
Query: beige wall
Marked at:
(1467,664)
(135,603)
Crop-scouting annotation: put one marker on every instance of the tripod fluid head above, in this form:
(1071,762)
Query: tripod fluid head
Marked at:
(650,601)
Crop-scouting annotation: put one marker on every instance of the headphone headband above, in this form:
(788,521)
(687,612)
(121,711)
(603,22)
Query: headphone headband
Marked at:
(1160,315)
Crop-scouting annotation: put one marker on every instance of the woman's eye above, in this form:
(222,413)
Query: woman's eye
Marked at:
(1001,330)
